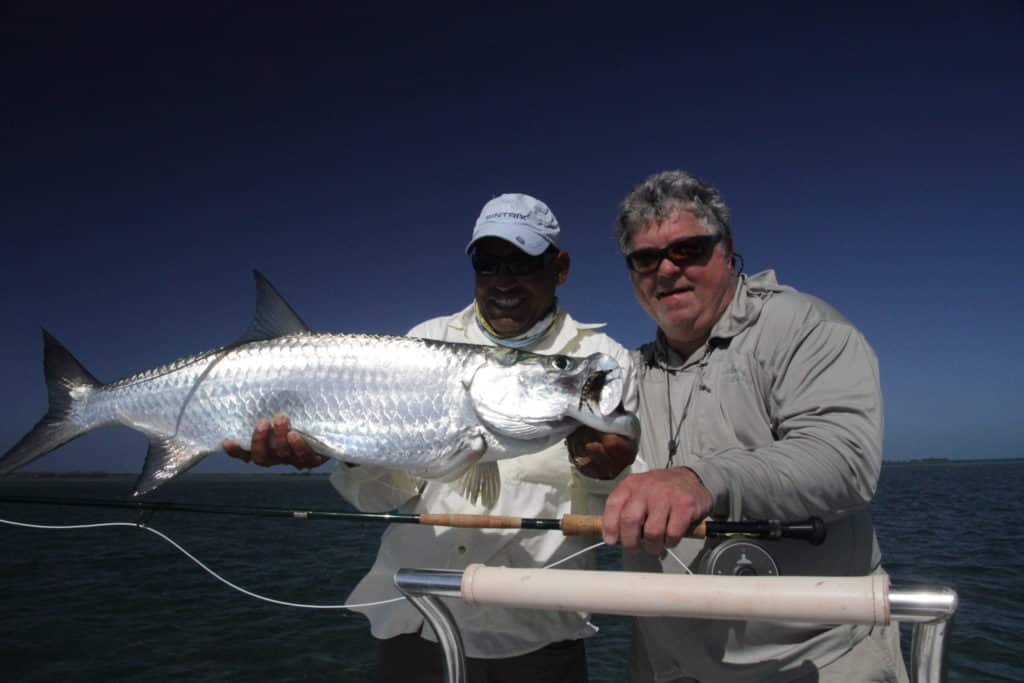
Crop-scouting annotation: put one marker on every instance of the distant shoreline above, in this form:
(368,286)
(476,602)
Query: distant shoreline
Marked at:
(240,475)
(953,461)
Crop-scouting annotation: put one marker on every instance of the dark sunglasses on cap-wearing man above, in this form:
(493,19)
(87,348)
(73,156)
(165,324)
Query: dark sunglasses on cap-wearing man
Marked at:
(681,252)
(513,264)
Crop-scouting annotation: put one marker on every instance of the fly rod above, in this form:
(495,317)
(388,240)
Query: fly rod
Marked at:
(811,530)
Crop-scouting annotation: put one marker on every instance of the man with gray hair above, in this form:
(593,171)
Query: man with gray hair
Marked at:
(756,402)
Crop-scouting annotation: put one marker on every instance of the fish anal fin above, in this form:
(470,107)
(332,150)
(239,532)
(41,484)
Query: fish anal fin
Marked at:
(167,458)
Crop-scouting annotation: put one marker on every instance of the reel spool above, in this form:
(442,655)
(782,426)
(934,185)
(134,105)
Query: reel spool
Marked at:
(739,557)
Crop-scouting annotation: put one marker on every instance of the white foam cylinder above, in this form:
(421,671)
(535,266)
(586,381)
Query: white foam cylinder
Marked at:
(821,600)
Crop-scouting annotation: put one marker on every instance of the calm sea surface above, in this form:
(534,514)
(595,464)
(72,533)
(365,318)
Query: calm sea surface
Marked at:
(120,604)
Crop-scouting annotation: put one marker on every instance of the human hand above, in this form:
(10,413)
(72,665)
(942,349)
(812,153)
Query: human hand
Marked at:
(274,443)
(654,510)
(598,454)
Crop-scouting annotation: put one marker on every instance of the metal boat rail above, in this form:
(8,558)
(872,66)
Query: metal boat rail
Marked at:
(823,600)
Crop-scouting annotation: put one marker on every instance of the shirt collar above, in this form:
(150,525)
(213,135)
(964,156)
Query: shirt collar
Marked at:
(560,339)
(743,311)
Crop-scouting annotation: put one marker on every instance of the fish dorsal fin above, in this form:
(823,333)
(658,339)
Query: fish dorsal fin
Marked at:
(274,316)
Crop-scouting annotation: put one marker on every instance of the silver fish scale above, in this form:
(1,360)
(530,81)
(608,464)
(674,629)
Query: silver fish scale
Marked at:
(373,399)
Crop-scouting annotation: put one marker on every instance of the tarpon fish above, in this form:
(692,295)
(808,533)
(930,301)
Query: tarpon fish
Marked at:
(437,409)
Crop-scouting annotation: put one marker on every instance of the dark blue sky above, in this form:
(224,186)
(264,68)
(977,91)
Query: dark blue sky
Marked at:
(872,155)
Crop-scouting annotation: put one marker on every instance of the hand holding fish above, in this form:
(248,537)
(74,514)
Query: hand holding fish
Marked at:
(274,443)
(600,455)
(654,510)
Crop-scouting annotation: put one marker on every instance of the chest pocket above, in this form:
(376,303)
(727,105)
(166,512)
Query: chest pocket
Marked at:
(732,409)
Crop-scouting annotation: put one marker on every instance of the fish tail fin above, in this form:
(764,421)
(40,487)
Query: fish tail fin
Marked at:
(66,380)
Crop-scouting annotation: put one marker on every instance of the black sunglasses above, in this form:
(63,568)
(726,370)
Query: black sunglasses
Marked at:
(516,264)
(681,252)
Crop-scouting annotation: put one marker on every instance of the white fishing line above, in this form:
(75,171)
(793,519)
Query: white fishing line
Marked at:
(676,558)
(575,554)
(198,562)
(601,543)
(264,598)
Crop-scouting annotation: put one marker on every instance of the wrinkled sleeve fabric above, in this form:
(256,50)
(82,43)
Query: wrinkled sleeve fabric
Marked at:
(823,396)
(374,489)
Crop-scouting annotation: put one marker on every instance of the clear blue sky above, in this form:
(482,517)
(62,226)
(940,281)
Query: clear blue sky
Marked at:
(872,155)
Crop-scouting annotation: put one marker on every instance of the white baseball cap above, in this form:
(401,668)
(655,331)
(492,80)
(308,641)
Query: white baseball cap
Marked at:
(525,221)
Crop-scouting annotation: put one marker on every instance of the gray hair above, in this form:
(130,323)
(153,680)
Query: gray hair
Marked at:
(662,194)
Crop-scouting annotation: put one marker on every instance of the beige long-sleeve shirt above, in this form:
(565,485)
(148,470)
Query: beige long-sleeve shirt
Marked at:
(783,420)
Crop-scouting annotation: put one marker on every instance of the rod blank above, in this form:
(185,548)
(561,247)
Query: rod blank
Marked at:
(812,530)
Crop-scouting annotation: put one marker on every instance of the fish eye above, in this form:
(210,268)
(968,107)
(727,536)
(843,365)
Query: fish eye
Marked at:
(561,362)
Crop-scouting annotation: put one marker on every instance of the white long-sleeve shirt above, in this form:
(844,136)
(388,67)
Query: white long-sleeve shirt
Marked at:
(542,484)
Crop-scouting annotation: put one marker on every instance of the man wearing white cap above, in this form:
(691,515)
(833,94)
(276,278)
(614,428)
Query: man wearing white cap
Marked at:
(518,265)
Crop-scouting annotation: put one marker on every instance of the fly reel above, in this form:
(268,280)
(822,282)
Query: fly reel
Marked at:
(739,557)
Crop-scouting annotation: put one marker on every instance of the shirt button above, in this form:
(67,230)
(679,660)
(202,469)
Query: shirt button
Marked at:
(461,549)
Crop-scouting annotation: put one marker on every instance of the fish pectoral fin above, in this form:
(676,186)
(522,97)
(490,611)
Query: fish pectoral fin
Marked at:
(480,481)
(452,466)
(167,458)
(481,484)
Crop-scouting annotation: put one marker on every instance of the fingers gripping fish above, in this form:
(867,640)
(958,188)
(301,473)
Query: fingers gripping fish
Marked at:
(433,408)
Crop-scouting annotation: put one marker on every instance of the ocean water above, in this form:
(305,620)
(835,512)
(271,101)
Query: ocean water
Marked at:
(120,604)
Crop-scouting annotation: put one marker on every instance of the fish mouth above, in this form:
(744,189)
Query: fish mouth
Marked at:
(591,394)
(600,398)
(602,390)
